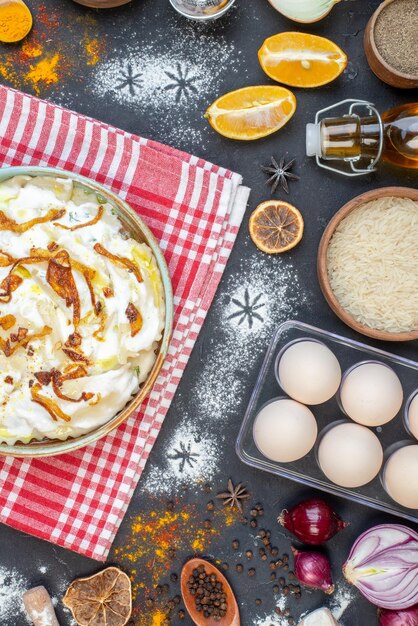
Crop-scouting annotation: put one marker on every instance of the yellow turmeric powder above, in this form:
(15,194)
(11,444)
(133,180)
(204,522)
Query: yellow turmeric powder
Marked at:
(15,21)
(45,71)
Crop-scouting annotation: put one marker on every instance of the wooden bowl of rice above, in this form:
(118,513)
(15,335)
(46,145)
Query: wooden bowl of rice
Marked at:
(368,264)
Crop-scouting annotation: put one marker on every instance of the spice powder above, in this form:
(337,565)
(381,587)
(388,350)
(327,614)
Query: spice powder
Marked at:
(396,35)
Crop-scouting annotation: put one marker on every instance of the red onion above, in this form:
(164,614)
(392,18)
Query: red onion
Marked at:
(312,521)
(408,617)
(313,569)
(383,565)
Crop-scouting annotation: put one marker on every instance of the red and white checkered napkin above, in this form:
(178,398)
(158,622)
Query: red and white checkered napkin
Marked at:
(194,208)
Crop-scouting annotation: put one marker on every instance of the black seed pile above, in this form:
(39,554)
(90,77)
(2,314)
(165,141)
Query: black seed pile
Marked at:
(208,593)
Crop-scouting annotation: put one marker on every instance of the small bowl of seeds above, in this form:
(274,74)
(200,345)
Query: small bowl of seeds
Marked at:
(391,43)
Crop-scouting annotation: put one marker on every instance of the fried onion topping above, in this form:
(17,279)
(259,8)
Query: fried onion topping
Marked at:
(107,292)
(9,349)
(77,357)
(7,223)
(60,277)
(8,285)
(48,404)
(120,261)
(73,341)
(134,318)
(93,221)
(7,321)
(6,259)
(58,379)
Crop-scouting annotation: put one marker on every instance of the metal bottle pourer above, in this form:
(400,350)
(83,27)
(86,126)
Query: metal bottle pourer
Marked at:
(202,10)
(314,142)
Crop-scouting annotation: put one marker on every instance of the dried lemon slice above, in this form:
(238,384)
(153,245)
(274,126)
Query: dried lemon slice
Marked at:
(251,112)
(301,60)
(276,226)
(104,599)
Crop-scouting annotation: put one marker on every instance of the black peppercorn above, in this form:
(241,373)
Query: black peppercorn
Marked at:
(258,601)
(181,614)
(235,544)
(274,552)
(207,524)
(251,572)
(253,523)
(210,505)
(249,554)
(239,567)
(210,599)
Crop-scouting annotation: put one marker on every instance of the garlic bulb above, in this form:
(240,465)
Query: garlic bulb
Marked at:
(304,11)
(320,617)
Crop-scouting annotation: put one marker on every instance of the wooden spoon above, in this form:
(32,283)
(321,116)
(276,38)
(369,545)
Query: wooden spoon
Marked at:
(232,613)
(102,4)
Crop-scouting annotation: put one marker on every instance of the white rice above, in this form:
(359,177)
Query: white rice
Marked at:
(372,264)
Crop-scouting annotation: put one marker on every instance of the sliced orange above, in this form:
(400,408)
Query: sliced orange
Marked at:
(251,112)
(276,226)
(301,60)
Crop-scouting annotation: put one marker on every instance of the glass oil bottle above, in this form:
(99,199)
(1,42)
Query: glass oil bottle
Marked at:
(358,141)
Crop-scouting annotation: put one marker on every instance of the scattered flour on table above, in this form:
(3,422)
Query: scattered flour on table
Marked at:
(274,619)
(12,587)
(341,600)
(177,77)
(189,457)
(260,294)
(257,297)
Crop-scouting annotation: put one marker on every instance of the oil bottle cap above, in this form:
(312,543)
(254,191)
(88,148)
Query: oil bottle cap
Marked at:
(313,140)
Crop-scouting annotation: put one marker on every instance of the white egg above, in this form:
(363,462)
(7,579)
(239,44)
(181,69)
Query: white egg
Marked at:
(371,394)
(350,455)
(309,372)
(413,416)
(285,430)
(400,476)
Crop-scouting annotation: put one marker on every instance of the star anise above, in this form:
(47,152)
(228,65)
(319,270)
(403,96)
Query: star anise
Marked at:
(234,495)
(280,172)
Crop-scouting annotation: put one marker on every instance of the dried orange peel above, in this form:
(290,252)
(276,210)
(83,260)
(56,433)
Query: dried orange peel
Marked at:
(276,226)
(104,599)
(301,60)
(252,112)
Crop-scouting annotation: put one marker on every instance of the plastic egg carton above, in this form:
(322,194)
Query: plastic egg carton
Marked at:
(306,470)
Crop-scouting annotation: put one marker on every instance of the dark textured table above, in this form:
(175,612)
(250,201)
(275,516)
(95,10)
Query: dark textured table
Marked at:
(149,71)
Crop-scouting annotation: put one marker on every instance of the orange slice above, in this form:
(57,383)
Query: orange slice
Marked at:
(276,226)
(301,60)
(251,112)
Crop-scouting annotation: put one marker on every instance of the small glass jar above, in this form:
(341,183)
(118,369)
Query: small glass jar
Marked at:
(202,10)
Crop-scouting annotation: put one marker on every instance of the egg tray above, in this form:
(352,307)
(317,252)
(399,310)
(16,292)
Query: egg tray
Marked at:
(306,470)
